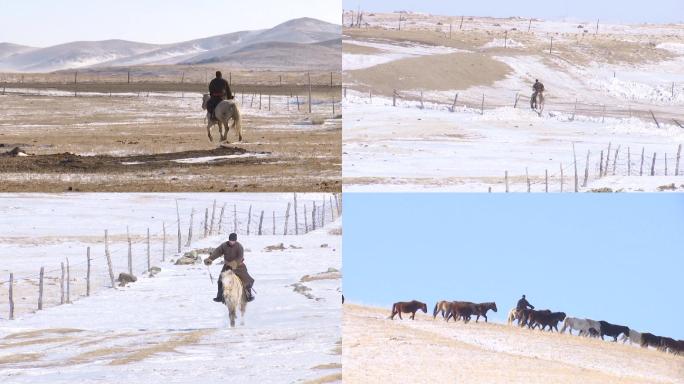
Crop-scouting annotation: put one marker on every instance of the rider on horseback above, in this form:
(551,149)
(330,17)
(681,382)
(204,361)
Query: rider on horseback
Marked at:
(233,258)
(538,89)
(219,90)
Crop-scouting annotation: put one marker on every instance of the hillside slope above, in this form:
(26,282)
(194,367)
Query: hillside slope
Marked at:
(376,349)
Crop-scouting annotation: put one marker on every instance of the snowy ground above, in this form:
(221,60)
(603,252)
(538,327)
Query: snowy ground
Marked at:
(376,349)
(592,101)
(166,328)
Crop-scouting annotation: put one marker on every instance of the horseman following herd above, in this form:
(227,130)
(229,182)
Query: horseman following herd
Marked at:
(526,315)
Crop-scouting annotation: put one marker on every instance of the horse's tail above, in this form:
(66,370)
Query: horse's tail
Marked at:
(434,311)
(394,311)
(237,121)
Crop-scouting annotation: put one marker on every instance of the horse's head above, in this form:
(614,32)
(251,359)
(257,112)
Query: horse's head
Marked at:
(205,99)
(493,307)
(423,307)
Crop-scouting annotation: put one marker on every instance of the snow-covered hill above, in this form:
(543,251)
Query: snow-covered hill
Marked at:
(303,33)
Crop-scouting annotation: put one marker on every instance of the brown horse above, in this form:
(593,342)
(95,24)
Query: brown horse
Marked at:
(461,310)
(482,308)
(441,306)
(545,319)
(650,340)
(408,307)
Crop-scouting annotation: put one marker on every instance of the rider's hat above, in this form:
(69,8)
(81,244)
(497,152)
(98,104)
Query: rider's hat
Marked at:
(218,74)
(232,237)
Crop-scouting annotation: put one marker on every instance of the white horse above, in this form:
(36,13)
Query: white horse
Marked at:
(234,296)
(512,316)
(537,102)
(582,325)
(634,337)
(224,111)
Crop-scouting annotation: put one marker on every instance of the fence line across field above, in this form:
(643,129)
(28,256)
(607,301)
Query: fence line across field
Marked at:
(603,165)
(418,99)
(138,255)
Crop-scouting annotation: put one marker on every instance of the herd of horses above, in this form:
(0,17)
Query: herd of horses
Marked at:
(542,319)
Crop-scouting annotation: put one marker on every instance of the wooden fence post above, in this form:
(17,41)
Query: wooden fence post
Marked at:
(515,103)
(482,106)
(332,213)
(206,222)
(61,286)
(68,282)
(287,218)
(605,169)
(249,219)
(261,221)
(296,218)
(561,180)
(574,160)
(213,213)
(306,224)
(617,151)
(641,168)
(11,296)
(88,272)
(546,180)
(653,164)
(679,152)
(574,111)
(40,288)
(665,163)
(629,161)
(220,223)
(337,204)
(313,217)
(274,227)
(586,171)
(109,259)
(601,166)
(149,263)
(506,180)
(453,105)
(422,106)
(654,118)
(192,217)
(527,177)
(234,218)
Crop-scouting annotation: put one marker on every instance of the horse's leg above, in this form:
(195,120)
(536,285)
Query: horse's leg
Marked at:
(413,316)
(209,124)
(485,316)
(399,312)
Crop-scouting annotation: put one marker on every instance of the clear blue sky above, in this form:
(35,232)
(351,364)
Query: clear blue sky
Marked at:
(48,22)
(616,257)
(629,11)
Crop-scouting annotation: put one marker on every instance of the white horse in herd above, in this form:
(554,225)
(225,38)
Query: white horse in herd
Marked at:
(583,326)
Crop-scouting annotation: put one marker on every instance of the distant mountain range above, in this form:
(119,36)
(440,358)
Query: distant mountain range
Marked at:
(296,44)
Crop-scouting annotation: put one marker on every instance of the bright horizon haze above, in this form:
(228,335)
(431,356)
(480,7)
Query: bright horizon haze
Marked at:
(615,11)
(43,23)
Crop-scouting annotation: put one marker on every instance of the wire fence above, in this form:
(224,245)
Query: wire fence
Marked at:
(463,102)
(138,253)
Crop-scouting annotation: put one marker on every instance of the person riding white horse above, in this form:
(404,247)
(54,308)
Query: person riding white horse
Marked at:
(219,90)
(538,89)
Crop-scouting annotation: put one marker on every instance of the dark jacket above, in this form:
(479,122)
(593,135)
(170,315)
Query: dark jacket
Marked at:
(229,253)
(219,87)
(523,304)
(538,87)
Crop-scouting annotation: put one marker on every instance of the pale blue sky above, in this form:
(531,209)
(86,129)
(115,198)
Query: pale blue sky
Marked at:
(616,257)
(48,22)
(630,11)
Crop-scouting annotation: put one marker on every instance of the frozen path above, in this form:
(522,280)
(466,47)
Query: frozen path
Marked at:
(166,329)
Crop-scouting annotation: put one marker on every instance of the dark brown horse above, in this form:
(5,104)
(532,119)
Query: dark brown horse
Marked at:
(650,340)
(460,310)
(612,330)
(545,319)
(408,307)
(668,344)
(482,308)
